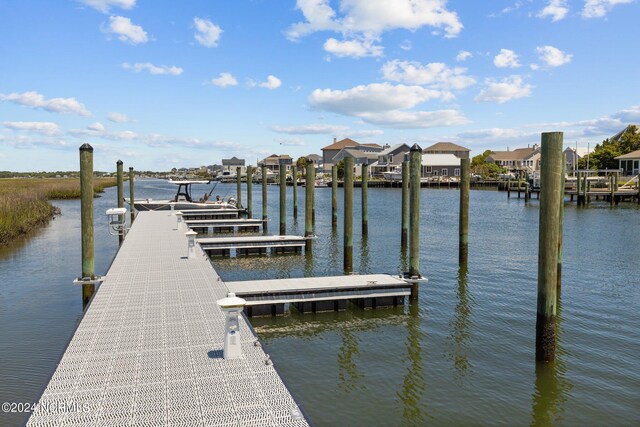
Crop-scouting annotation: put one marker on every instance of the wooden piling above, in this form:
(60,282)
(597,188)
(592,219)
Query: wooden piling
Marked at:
(561,220)
(239,185)
(294,171)
(612,189)
(508,188)
(405,204)
(310,177)
(131,195)
(365,199)
(263,170)
(283,199)
(348,214)
(334,196)
(120,194)
(86,220)
(550,199)
(415,165)
(578,185)
(465,183)
(308,206)
(249,191)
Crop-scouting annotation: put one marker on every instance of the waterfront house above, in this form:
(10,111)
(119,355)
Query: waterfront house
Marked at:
(317,161)
(230,165)
(629,163)
(436,165)
(520,159)
(448,148)
(359,157)
(573,155)
(330,151)
(389,159)
(272,162)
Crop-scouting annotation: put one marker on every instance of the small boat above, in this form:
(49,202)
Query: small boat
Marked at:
(183,200)
(394,175)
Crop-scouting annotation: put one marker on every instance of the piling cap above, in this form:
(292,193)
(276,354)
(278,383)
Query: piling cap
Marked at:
(119,162)
(86,147)
(416,147)
(231,302)
(179,213)
(190,233)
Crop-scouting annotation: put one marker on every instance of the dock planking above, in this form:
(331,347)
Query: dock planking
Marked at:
(148,350)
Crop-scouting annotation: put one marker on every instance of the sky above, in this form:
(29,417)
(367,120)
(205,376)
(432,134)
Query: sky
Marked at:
(163,84)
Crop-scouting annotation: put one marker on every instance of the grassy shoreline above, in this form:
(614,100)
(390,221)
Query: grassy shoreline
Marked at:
(24,202)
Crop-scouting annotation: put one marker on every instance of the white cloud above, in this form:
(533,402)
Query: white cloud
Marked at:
(207,33)
(118,117)
(162,141)
(376,97)
(97,126)
(463,55)
(153,69)
(507,89)
(312,129)
(366,133)
(272,83)
(435,74)
(98,130)
(552,56)
(353,48)
(224,80)
(599,8)
(506,59)
(373,17)
(43,128)
(54,105)
(406,45)
(125,30)
(502,134)
(631,115)
(104,5)
(556,9)
(416,119)
(27,142)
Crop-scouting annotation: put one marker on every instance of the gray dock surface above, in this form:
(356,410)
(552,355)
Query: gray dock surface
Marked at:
(148,351)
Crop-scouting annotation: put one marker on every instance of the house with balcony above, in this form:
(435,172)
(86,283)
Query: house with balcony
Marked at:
(629,163)
(520,160)
(359,158)
(330,151)
(389,159)
(273,162)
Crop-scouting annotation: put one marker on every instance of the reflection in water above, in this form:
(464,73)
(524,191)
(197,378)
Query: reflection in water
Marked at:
(551,386)
(348,375)
(334,252)
(308,263)
(413,386)
(461,326)
(364,256)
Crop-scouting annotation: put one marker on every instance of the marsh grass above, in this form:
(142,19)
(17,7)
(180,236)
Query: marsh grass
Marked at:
(24,202)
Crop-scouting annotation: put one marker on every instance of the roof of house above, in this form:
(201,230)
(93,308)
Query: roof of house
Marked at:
(431,159)
(233,161)
(444,146)
(618,135)
(314,157)
(339,145)
(517,154)
(634,155)
(359,155)
(393,149)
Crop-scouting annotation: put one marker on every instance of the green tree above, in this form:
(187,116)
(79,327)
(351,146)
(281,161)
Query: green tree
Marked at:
(603,156)
(480,166)
(340,166)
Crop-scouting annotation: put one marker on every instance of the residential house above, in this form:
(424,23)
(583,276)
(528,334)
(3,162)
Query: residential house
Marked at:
(436,165)
(573,155)
(316,160)
(273,162)
(230,165)
(389,159)
(448,148)
(330,151)
(630,163)
(520,159)
(359,157)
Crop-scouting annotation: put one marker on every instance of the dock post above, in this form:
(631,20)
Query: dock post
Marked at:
(120,195)
(561,219)
(365,199)
(334,196)
(86,219)
(405,203)
(283,199)
(348,214)
(415,165)
(311,177)
(131,198)
(550,182)
(249,191)
(508,188)
(465,183)
(612,189)
(263,170)
(239,186)
(294,171)
(578,184)
(308,207)
(585,184)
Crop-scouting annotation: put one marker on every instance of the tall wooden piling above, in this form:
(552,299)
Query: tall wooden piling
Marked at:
(612,189)
(348,214)
(239,185)
(131,194)
(86,220)
(249,191)
(561,220)
(283,200)
(263,170)
(415,164)
(334,196)
(308,206)
(550,199)
(365,199)
(578,184)
(405,204)
(294,172)
(120,194)
(310,180)
(463,229)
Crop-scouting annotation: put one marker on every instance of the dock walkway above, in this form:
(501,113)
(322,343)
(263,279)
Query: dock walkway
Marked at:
(148,350)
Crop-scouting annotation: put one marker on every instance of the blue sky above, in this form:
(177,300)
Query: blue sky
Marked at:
(160,84)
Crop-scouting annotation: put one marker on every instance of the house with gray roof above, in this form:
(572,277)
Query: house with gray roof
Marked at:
(520,159)
(389,159)
(448,148)
(629,163)
(359,157)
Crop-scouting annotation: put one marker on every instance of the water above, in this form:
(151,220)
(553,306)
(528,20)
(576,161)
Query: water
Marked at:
(464,355)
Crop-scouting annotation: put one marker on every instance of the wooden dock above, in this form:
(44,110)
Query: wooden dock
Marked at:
(252,245)
(149,348)
(224,225)
(317,294)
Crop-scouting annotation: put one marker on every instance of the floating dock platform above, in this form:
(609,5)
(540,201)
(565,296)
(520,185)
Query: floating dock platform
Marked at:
(212,213)
(149,348)
(252,245)
(224,225)
(317,294)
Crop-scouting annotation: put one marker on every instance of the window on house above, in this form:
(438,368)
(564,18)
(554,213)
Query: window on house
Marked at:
(456,172)
(445,172)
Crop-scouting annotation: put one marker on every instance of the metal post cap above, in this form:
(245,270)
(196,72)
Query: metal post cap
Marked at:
(190,233)
(231,301)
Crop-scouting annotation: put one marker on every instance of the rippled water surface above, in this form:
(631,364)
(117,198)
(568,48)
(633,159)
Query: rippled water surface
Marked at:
(463,355)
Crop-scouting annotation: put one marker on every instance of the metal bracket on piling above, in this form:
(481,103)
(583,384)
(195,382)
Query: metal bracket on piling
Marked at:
(88,280)
(412,279)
